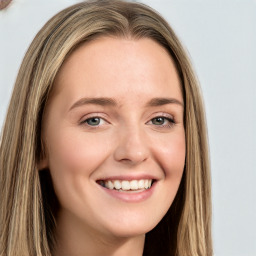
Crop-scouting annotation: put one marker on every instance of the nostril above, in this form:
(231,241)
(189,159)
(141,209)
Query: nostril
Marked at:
(132,149)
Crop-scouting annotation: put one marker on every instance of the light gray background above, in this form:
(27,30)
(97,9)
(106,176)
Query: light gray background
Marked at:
(220,36)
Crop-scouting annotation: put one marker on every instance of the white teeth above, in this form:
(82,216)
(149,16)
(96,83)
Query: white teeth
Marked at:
(134,185)
(146,184)
(141,183)
(127,185)
(109,184)
(117,184)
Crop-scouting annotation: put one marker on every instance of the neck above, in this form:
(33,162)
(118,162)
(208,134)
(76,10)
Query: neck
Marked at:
(78,239)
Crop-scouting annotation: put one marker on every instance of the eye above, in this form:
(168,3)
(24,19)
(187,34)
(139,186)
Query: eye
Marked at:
(94,121)
(159,120)
(162,121)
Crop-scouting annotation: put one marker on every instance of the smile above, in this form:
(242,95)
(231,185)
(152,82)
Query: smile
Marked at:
(128,189)
(125,185)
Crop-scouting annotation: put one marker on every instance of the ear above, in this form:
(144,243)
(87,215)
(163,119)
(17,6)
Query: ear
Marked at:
(43,164)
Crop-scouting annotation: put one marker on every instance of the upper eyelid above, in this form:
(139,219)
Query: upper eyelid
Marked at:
(163,114)
(171,120)
(92,115)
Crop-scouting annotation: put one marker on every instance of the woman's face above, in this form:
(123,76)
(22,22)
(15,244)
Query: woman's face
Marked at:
(113,126)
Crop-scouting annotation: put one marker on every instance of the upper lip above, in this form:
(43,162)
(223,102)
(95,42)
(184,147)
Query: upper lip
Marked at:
(129,177)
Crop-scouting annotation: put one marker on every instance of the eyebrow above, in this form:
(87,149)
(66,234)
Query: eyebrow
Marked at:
(102,101)
(95,101)
(163,101)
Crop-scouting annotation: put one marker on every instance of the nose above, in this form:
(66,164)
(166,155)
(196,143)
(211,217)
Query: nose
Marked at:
(132,147)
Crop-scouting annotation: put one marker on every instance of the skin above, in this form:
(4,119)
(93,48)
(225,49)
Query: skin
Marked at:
(127,141)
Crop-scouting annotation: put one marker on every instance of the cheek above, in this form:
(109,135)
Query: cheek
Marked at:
(73,153)
(172,155)
(73,158)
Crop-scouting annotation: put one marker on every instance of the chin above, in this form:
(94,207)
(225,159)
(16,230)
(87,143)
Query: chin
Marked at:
(132,227)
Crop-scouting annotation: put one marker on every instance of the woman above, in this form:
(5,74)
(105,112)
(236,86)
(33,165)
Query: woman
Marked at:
(108,151)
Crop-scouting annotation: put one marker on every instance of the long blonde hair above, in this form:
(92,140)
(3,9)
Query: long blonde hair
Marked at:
(27,215)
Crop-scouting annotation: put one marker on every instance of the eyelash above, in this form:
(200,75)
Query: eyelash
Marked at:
(170,121)
(85,122)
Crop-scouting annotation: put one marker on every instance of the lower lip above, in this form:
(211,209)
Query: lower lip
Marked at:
(131,197)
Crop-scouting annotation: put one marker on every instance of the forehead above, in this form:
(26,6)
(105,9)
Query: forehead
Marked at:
(119,67)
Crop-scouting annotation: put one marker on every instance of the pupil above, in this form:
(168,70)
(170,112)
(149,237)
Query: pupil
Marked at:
(93,121)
